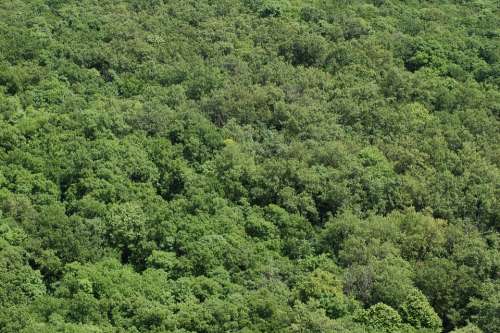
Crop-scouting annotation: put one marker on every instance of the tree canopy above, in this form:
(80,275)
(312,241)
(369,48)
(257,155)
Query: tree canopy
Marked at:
(249,166)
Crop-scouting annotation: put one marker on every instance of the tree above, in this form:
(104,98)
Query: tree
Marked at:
(381,317)
(417,311)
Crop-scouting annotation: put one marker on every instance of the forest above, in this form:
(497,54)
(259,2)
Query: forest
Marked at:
(246,166)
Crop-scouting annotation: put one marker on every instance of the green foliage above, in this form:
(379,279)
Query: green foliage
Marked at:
(470,328)
(323,287)
(417,311)
(381,317)
(486,308)
(19,283)
(249,166)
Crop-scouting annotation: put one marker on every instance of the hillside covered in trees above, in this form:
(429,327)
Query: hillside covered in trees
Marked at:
(208,166)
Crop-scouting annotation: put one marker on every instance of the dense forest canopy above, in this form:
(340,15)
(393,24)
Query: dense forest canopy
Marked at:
(249,166)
